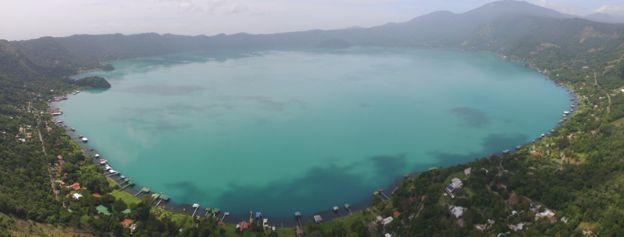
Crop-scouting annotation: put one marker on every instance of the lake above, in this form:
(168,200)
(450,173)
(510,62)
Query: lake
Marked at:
(286,131)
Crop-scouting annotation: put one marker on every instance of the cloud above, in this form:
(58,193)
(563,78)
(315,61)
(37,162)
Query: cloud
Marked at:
(558,6)
(611,10)
(210,6)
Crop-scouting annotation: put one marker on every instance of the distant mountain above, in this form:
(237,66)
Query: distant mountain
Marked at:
(606,18)
(506,26)
(498,9)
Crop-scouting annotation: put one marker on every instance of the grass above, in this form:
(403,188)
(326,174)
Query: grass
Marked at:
(112,183)
(619,122)
(129,199)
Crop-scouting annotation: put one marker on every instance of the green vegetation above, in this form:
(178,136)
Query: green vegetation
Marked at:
(93,83)
(573,176)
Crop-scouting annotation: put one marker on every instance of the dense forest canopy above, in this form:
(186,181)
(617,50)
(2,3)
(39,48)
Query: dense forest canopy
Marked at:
(569,183)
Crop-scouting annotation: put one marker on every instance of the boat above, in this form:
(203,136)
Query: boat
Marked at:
(97,155)
(84,139)
(103,162)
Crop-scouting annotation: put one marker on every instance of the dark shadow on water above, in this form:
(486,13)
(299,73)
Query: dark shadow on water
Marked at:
(186,188)
(315,191)
(471,117)
(387,166)
(166,90)
(493,143)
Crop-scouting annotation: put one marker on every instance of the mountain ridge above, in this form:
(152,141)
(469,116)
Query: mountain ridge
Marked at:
(471,29)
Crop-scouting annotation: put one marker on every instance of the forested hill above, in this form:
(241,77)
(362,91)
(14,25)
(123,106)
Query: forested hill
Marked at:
(569,183)
(505,26)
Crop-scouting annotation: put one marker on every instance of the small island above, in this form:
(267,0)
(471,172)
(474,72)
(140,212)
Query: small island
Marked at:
(93,82)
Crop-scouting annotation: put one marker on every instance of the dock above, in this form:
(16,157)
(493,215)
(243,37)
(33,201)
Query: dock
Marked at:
(143,190)
(162,198)
(195,207)
(129,184)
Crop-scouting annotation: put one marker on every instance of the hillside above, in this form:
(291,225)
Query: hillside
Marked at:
(505,26)
(569,183)
(508,33)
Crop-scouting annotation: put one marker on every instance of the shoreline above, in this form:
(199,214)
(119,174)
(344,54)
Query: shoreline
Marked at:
(328,215)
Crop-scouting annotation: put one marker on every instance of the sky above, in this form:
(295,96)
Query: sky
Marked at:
(27,19)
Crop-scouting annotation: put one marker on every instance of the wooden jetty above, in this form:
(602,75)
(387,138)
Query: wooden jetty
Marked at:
(143,190)
(299,227)
(129,184)
(347,207)
(381,193)
(162,198)
(195,207)
(225,214)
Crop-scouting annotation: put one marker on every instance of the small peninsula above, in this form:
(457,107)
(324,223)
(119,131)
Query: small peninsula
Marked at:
(93,82)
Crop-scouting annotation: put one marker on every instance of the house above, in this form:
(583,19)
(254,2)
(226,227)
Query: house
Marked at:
(265,223)
(76,196)
(74,186)
(455,184)
(546,214)
(318,219)
(243,225)
(126,212)
(387,220)
(467,171)
(518,227)
(457,211)
(101,209)
(126,223)
(481,227)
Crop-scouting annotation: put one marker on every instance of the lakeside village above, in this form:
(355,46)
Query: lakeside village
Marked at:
(159,199)
(452,190)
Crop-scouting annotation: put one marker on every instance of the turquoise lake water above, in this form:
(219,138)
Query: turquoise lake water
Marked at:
(287,131)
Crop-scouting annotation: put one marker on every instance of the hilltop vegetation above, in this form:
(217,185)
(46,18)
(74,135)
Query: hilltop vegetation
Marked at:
(569,183)
(93,83)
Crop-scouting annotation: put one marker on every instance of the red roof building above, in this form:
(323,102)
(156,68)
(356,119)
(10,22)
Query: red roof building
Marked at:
(126,223)
(243,225)
(74,186)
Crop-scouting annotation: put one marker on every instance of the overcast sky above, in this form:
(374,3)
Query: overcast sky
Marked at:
(25,19)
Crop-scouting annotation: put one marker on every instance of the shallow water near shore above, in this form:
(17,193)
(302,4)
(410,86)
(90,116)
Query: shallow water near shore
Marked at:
(287,131)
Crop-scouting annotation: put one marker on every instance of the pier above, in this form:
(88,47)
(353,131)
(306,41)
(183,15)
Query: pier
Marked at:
(380,192)
(143,190)
(129,184)
(195,207)
(299,227)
